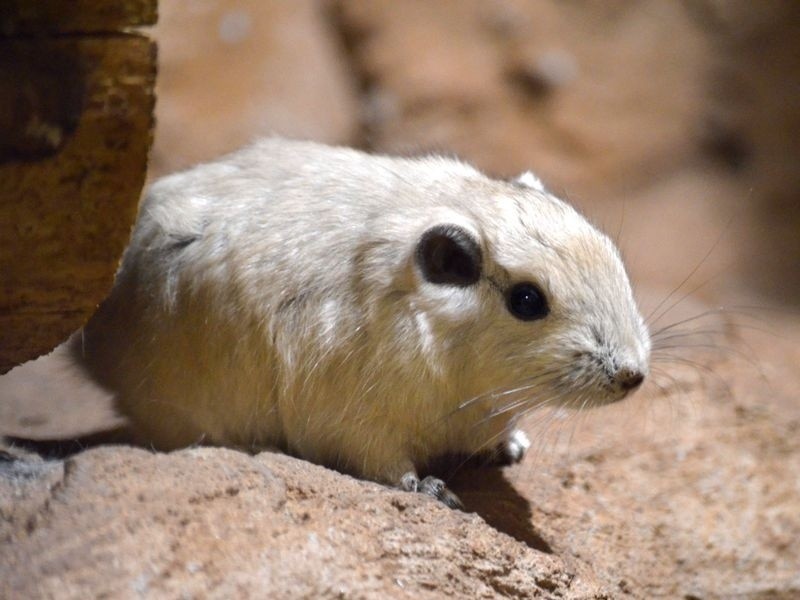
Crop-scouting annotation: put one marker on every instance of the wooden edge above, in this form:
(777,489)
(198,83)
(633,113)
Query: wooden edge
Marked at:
(37,17)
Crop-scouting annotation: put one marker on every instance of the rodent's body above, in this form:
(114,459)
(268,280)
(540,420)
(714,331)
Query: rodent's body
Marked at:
(279,297)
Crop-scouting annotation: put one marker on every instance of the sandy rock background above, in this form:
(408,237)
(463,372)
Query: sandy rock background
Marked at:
(674,126)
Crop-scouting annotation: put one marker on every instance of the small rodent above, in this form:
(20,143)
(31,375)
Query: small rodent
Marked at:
(364,312)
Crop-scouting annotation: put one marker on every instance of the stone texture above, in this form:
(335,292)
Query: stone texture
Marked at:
(217,523)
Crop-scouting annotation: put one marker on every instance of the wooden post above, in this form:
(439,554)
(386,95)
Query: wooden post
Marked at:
(76,122)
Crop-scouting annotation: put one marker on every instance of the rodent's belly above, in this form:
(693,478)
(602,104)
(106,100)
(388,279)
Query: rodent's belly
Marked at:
(320,428)
(228,389)
(383,445)
(179,412)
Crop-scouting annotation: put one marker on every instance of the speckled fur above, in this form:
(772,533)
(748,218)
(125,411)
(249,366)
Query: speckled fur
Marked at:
(272,299)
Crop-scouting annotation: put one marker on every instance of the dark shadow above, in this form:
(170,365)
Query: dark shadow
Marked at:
(64,448)
(487,492)
(42,84)
(484,489)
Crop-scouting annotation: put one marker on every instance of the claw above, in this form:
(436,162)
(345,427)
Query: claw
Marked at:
(431,486)
(437,488)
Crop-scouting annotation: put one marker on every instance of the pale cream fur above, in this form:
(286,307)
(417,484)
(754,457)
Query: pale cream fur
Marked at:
(272,299)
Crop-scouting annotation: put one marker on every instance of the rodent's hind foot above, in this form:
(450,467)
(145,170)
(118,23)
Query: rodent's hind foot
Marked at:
(431,486)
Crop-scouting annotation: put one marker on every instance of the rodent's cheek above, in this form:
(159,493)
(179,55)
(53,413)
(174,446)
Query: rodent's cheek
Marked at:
(647,342)
(559,341)
(448,303)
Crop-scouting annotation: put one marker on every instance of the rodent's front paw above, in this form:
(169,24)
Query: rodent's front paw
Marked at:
(509,452)
(432,487)
(516,446)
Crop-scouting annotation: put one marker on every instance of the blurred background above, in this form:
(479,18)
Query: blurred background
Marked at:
(674,126)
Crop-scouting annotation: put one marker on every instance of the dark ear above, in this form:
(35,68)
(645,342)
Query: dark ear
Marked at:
(448,254)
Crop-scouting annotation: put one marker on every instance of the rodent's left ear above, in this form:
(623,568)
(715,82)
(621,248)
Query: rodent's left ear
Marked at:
(449,254)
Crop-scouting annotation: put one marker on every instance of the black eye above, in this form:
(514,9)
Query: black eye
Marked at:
(527,302)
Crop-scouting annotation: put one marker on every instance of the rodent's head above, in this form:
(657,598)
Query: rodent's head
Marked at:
(528,298)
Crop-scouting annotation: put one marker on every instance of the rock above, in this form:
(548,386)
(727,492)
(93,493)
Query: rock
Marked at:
(49,398)
(215,522)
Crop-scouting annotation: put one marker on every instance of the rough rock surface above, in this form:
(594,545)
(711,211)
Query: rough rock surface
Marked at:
(217,522)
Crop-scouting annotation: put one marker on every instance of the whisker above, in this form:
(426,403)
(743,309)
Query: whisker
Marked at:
(671,326)
(494,439)
(688,294)
(658,372)
(575,421)
(689,333)
(735,351)
(513,406)
(716,311)
(499,392)
(695,365)
(688,277)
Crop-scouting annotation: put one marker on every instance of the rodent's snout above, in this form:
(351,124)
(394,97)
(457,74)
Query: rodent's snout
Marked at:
(628,378)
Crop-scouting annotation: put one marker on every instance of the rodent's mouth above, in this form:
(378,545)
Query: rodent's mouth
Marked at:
(593,394)
(579,386)
(597,379)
